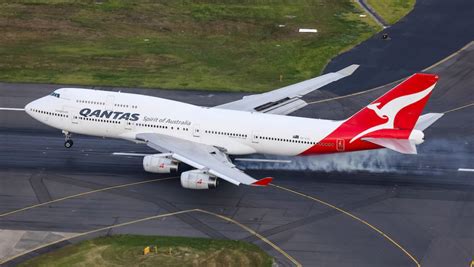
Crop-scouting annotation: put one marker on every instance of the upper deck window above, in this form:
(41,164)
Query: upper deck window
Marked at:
(55,94)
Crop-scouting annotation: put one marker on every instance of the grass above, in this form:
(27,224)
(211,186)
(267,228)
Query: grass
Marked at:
(214,45)
(392,10)
(127,250)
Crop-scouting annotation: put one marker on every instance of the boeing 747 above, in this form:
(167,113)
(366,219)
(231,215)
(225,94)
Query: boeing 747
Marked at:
(203,137)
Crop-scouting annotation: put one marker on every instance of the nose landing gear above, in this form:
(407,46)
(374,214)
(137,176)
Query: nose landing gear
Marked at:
(68,141)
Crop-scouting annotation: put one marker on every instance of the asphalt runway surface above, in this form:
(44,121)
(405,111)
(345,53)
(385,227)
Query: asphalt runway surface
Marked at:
(432,31)
(422,202)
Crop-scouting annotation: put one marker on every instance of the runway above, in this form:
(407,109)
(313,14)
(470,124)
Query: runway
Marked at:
(361,209)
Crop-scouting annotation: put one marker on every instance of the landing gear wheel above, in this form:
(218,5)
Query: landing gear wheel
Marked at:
(68,143)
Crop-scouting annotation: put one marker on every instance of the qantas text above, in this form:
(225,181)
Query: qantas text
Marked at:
(116,115)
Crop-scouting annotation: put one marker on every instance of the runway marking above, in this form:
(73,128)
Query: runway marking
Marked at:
(377,88)
(397,81)
(449,57)
(130,154)
(465,170)
(355,218)
(263,160)
(12,109)
(264,239)
(349,95)
(458,108)
(273,245)
(83,194)
(91,232)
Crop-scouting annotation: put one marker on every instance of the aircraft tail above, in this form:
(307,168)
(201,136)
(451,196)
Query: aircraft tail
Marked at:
(393,120)
(399,107)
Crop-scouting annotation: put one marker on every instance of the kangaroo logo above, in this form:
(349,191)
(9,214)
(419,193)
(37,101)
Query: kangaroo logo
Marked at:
(390,110)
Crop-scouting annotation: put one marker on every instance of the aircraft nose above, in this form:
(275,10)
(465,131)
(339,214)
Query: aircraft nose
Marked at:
(29,107)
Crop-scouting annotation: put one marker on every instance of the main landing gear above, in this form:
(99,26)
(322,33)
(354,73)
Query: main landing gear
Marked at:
(68,141)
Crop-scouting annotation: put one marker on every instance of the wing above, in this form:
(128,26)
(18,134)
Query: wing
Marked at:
(287,99)
(201,156)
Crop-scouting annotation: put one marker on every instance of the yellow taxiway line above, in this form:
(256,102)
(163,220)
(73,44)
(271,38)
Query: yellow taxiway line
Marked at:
(264,239)
(248,229)
(449,57)
(273,245)
(227,218)
(353,217)
(83,194)
(93,231)
(459,108)
(398,81)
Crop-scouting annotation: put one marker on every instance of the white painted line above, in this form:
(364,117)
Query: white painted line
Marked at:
(264,160)
(465,170)
(130,154)
(13,109)
(308,30)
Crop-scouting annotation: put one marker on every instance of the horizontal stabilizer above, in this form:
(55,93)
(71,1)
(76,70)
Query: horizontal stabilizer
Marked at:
(404,146)
(425,121)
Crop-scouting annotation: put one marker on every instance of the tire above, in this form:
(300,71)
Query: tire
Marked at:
(68,144)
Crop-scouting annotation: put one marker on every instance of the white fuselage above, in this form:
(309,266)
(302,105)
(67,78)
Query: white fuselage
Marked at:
(124,115)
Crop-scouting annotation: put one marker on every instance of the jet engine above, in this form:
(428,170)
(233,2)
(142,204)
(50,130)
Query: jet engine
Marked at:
(197,179)
(159,164)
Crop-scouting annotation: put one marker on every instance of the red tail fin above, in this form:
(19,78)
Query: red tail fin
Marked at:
(391,116)
(400,107)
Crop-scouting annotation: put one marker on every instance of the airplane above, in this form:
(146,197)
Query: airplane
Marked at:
(204,137)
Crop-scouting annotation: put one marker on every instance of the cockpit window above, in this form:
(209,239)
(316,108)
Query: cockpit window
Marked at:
(55,94)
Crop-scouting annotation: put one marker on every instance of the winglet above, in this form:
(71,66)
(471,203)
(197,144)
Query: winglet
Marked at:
(263,182)
(348,70)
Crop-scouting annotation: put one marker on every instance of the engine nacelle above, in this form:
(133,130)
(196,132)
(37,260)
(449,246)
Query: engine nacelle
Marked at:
(197,179)
(159,164)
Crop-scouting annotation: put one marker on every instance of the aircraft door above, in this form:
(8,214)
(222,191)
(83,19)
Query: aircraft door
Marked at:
(196,131)
(129,125)
(74,119)
(73,114)
(255,137)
